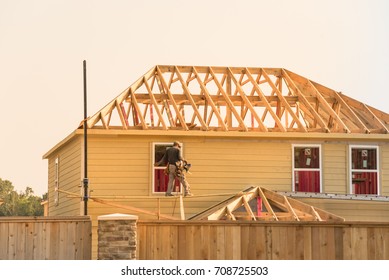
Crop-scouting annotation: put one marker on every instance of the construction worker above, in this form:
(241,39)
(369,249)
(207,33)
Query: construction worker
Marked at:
(173,159)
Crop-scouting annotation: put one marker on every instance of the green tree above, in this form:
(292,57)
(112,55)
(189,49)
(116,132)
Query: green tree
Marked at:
(18,204)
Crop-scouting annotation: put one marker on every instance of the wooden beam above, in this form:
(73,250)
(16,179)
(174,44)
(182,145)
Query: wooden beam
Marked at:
(228,101)
(154,102)
(247,102)
(290,209)
(267,204)
(248,208)
(109,107)
(264,99)
(171,99)
(136,105)
(121,116)
(189,96)
(134,209)
(328,107)
(350,112)
(284,102)
(376,120)
(304,100)
(210,101)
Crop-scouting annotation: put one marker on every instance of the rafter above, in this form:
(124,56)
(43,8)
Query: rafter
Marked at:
(277,207)
(284,102)
(235,98)
(189,96)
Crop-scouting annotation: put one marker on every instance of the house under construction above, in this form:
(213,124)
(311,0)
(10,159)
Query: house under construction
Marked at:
(263,143)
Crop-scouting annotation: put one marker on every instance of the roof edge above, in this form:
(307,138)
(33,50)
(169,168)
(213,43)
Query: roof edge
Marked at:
(237,134)
(60,144)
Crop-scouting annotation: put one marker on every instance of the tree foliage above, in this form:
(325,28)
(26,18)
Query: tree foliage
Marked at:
(15,203)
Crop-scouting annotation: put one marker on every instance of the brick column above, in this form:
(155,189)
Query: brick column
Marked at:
(117,237)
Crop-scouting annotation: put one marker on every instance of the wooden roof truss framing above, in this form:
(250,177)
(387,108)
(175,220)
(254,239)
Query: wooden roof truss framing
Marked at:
(235,99)
(260,204)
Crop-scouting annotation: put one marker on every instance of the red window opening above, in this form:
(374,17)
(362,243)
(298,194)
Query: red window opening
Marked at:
(307,169)
(364,170)
(160,178)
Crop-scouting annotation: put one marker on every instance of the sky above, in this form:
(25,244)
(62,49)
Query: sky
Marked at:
(342,44)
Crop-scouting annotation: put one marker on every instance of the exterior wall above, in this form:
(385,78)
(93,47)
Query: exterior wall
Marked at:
(335,159)
(384,147)
(120,166)
(70,167)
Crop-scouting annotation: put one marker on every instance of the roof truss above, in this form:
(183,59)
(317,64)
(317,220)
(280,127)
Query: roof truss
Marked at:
(235,98)
(258,204)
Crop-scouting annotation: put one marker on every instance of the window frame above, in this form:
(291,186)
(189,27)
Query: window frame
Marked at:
(153,145)
(320,169)
(351,170)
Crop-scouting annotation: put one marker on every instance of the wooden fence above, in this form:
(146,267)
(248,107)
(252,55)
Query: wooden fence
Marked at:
(45,238)
(245,240)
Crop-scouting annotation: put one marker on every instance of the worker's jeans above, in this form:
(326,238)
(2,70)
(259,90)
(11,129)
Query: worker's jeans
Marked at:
(172,177)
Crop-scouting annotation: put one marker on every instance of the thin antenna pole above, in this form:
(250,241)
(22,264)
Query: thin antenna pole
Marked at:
(85,180)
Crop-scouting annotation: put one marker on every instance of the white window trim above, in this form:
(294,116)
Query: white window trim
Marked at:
(351,170)
(320,169)
(160,167)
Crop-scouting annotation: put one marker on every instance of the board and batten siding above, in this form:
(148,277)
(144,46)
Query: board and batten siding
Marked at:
(69,167)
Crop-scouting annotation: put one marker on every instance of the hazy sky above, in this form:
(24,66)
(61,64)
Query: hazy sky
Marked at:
(341,44)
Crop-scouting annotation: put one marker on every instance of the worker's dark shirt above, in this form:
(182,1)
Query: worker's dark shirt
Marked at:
(171,156)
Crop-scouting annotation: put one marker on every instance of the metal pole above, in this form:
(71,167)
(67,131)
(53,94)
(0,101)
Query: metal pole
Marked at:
(85,180)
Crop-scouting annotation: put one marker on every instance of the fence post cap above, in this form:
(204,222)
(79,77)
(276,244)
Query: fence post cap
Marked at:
(117,216)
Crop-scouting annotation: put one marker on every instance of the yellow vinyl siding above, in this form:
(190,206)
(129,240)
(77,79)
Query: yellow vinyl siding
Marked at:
(384,169)
(228,166)
(335,168)
(121,165)
(69,179)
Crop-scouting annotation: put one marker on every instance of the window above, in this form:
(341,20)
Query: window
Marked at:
(56,181)
(364,169)
(160,179)
(307,168)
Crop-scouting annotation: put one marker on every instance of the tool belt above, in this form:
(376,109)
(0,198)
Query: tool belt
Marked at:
(181,166)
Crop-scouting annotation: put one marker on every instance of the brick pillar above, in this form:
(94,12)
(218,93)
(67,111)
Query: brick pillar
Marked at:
(117,237)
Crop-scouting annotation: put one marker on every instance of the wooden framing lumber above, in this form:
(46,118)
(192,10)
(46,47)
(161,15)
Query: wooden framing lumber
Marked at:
(219,98)
(278,208)
(134,209)
(189,96)
(209,99)
(228,101)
